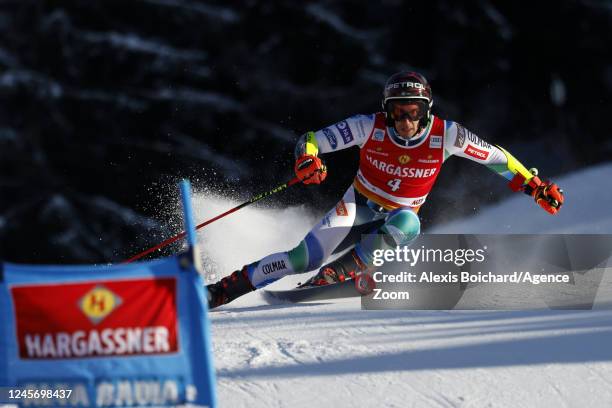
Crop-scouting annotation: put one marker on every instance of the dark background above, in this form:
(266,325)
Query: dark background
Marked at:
(106,104)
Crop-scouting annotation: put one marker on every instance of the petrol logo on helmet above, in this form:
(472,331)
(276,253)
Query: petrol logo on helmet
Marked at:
(416,85)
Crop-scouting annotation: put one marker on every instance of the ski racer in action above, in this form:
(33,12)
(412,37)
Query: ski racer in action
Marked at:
(402,151)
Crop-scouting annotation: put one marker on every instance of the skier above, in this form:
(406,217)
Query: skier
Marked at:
(402,150)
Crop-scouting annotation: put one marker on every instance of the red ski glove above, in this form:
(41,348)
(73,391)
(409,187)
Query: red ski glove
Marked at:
(549,196)
(310,169)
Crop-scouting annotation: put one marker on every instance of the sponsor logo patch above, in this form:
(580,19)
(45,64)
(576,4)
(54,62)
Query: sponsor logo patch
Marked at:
(331,138)
(428,161)
(273,267)
(399,171)
(345,131)
(96,319)
(418,201)
(476,153)
(379,135)
(378,152)
(475,140)
(98,303)
(361,128)
(435,142)
(326,221)
(341,209)
(403,159)
(460,140)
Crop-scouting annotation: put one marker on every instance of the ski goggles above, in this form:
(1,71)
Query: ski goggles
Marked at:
(411,109)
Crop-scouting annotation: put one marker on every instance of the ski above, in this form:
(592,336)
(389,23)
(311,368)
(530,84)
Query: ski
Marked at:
(339,290)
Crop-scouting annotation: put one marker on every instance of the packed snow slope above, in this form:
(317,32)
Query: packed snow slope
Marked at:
(332,354)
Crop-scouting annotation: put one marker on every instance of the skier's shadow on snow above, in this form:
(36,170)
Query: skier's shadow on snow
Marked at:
(575,337)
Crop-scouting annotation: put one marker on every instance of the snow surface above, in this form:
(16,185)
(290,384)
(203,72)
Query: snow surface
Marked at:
(334,354)
(587,210)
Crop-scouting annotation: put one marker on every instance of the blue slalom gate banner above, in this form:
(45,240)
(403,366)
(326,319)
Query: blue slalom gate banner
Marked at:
(106,336)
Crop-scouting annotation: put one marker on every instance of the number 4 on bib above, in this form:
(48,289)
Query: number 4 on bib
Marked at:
(394,184)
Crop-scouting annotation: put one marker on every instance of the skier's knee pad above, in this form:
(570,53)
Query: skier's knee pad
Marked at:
(308,255)
(403,226)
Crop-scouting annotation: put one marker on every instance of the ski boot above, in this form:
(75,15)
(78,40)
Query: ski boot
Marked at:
(229,288)
(346,267)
